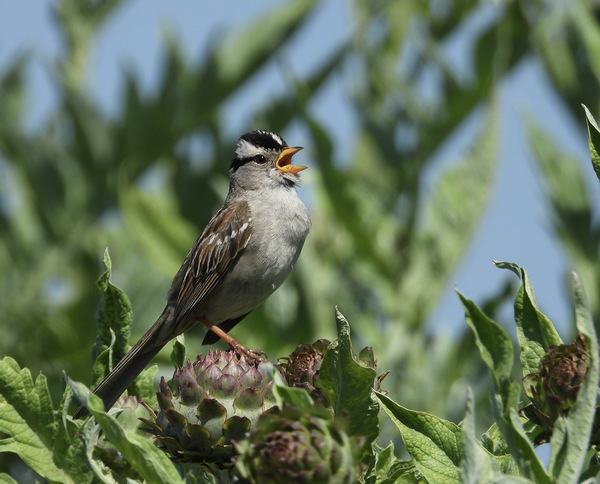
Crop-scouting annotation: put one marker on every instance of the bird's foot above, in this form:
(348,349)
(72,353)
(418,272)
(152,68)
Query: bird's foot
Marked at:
(252,355)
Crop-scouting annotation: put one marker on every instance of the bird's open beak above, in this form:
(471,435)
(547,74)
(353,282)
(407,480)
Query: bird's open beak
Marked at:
(284,161)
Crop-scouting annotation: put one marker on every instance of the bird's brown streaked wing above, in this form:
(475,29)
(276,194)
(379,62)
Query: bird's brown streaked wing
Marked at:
(223,239)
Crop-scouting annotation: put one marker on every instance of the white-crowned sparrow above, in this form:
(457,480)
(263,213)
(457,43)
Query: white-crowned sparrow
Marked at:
(244,254)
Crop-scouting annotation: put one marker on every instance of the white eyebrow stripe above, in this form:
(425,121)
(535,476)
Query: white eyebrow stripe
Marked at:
(246,150)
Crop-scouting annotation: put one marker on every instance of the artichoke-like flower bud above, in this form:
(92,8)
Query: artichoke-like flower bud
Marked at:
(302,369)
(553,389)
(294,445)
(211,403)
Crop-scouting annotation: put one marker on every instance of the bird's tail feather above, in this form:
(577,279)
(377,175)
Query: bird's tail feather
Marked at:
(132,364)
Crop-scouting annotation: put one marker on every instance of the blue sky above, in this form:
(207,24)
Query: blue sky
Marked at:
(514,228)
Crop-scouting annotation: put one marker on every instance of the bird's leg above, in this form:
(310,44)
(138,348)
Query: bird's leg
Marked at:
(234,344)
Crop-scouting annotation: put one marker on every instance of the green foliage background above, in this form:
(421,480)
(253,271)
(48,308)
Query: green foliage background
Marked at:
(378,248)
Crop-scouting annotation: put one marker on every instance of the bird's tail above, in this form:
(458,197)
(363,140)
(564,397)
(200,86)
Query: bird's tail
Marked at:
(132,364)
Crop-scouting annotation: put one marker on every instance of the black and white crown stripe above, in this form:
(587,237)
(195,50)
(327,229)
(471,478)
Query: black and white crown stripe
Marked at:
(254,144)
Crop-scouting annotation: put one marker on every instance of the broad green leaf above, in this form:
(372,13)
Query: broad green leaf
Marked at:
(584,17)
(388,469)
(6,479)
(284,108)
(209,473)
(89,436)
(27,421)
(492,340)
(178,351)
(237,59)
(571,435)
(487,460)
(114,313)
(79,22)
(155,223)
(476,465)
(433,443)
(557,56)
(349,384)
(12,94)
(443,433)
(343,202)
(562,177)
(535,331)
(298,397)
(384,459)
(143,386)
(448,222)
(149,462)
(68,451)
(232,62)
(572,213)
(493,441)
(594,140)
(504,407)
(103,362)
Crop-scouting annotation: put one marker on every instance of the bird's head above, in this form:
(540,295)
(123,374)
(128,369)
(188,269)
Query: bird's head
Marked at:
(261,158)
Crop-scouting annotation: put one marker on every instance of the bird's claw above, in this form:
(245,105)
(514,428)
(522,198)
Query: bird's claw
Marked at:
(252,355)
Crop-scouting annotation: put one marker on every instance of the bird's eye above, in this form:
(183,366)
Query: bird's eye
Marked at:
(260,159)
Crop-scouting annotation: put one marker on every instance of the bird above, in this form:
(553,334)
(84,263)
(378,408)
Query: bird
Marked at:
(243,255)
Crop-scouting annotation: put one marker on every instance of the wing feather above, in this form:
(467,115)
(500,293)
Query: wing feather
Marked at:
(209,259)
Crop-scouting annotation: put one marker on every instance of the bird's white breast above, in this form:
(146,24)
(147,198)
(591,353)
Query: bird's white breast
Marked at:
(280,224)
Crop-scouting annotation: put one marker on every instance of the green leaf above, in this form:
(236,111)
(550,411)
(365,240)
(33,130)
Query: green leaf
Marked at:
(344,204)
(492,340)
(493,441)
(231,63)
(433,443)
(384,459)
(571,211)
(146,459)
(298,397)
(388,469)
(535,331)
(178,351)
(594,140)
(448,222)
(155,224)
(476,465)
(89,437)
(504,406)
(68,451)
(143,386)
(284,108)
(102,364)
(114,313)
(208,473)
(571,435)
(563,181)
(6,479)
(12,94)
(584,17)
(349,384)
(238,58)
(28,424)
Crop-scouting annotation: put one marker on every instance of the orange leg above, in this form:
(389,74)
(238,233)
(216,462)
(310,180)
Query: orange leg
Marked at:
(234,344)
